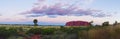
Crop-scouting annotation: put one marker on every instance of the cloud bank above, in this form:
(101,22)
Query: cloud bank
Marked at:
(61,9)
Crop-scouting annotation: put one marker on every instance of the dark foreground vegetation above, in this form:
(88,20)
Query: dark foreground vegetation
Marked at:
(36,32)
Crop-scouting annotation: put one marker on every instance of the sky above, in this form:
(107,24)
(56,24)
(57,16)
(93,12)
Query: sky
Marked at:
(58,12)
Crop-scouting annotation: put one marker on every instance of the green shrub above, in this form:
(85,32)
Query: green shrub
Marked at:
(48,31)
(7,32)
(3,32)
(34,31)
(12,31)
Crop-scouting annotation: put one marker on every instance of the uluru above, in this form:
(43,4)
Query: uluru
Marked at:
(77,23)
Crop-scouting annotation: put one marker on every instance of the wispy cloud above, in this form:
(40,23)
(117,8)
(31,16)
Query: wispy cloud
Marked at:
(62,9)
(65,2)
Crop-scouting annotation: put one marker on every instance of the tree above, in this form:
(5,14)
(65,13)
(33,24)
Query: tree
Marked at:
(105,23)
(35,22)
(115,23)
(91,23)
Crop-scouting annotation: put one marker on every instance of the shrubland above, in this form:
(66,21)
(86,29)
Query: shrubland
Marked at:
(62,32)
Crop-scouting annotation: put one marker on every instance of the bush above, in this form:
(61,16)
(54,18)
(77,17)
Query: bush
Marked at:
(5,33)
(12,31)
(48,31)
(34,31)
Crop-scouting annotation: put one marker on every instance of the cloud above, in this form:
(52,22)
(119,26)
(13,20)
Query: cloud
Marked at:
(0,14)
(67,2)
(61,9)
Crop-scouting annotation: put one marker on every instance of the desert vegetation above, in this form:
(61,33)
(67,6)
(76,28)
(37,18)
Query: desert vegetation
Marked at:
(60,32)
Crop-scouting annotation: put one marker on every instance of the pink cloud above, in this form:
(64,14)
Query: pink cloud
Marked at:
(60,9)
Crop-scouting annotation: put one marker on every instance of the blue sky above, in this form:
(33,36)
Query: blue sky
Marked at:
(58,12)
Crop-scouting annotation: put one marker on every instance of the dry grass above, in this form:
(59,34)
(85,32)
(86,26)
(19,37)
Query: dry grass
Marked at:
(109,32)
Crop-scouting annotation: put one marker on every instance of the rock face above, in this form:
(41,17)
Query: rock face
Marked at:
(77,23)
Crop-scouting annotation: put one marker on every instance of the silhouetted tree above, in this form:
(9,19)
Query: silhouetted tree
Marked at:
(105,24)
(35,22)
(91,23)
(115,23)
